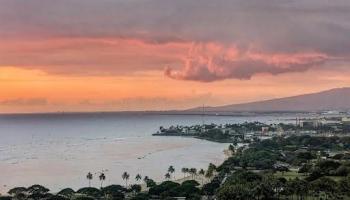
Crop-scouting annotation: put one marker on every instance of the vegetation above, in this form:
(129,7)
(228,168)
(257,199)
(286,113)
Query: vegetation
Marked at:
(250,131)
(262,170)
(126,177)
(227,133)
(89,177)
(102,178)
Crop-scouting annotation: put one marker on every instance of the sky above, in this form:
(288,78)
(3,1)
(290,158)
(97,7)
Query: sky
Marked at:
(117,55)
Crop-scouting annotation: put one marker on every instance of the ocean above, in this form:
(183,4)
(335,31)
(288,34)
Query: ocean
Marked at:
(58,150)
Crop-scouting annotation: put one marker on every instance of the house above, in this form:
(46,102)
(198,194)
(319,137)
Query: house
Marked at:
(345,120)
(310,123)
(264,130)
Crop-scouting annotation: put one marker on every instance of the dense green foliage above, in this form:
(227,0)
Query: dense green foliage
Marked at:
(167,189)
(317,170)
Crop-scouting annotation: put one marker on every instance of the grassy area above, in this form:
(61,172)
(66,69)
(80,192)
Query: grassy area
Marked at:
(295,174)
(290,175)
(335,178)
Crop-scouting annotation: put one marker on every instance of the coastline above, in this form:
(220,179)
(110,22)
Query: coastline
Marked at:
(118,145)
(117,161)
(227,141)
(199,178)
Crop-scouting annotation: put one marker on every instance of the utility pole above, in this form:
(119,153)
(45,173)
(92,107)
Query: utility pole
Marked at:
(203,115)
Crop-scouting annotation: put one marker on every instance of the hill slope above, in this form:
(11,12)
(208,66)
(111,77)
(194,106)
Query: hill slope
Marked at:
(334,99)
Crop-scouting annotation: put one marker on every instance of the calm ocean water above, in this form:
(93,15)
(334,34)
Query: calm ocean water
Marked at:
(57,150)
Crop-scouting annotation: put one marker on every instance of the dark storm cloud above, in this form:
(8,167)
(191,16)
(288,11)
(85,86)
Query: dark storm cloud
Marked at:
(287,27)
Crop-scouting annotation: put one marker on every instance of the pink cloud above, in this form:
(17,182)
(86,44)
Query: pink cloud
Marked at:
(90,56)
(211,62)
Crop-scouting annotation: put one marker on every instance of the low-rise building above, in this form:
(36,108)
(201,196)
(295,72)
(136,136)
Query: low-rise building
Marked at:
(345,120)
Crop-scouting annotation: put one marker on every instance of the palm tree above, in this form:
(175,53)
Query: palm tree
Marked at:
(201,172)
(193,172)
(184,170)
(209,174)
(167,176)
(231,148)
(126,177)
(89,177)
(211,167)
(210,171)
(145,179)
(102,177)
(171,170)
(138,177)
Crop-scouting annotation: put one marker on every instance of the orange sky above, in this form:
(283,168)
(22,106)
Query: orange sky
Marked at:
(26,90)
(161,55)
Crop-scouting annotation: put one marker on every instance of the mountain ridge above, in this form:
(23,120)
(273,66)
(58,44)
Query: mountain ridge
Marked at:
(332,99)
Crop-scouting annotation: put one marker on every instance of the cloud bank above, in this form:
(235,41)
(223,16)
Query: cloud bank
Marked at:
(211,62)
(286,36)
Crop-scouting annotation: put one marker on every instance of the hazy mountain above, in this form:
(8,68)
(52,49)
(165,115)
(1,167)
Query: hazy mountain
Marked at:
(334,99)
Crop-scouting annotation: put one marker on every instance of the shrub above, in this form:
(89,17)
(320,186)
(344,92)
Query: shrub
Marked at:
(90,191)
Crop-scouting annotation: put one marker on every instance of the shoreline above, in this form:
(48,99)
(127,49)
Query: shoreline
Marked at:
(113,176)
(225,141)
(199,178)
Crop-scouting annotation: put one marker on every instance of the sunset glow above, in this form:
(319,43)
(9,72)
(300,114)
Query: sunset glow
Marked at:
(96,56)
